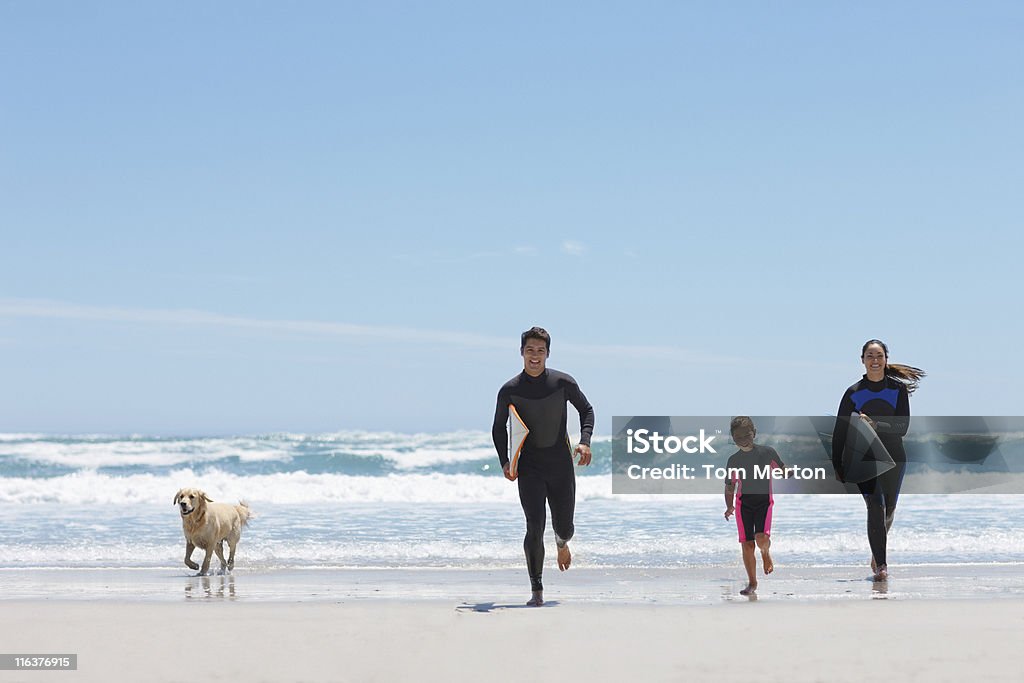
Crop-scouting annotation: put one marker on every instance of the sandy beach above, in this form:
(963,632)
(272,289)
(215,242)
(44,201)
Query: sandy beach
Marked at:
(807,624)
(466,586)
(438,641)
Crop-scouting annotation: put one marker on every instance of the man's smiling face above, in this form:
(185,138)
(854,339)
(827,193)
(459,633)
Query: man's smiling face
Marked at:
(535,356)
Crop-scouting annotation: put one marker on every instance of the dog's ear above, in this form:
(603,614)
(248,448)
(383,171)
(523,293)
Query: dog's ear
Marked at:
(177,497)
(207,498)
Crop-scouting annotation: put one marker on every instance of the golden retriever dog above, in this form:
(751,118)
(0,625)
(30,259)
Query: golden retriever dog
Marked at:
(208,525)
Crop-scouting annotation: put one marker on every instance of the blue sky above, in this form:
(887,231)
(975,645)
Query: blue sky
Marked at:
(247,217)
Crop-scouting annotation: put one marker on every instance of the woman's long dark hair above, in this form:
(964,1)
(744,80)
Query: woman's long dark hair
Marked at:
(907,375)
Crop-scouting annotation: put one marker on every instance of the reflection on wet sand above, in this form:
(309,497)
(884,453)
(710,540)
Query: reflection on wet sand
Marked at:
(207,587)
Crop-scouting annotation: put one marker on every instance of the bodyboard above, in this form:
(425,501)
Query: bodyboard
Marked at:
(517,433)
(865,456)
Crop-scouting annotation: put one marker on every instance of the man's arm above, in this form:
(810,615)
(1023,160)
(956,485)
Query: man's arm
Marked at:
(586,411)
(499,430)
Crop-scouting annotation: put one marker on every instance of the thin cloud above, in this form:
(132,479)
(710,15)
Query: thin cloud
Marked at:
(573,248)
(57,310)
(31,308)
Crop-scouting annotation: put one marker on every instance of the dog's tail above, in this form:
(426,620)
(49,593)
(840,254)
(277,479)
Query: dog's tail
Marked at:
(243,512)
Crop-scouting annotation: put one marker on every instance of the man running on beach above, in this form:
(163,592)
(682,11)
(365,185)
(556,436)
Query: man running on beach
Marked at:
(545,471)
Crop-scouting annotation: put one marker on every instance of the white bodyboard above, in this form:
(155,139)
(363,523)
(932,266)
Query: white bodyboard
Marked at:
(517,433)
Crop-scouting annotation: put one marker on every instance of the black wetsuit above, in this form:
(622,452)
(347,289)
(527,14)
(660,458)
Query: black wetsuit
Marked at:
(887,403)
(754,500)
(545,462)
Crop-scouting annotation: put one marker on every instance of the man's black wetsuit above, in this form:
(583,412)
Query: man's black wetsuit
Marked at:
(887,403)
(545,462)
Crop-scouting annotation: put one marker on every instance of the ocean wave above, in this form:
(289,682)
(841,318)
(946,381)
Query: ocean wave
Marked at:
(89,487)
(22,437)
(96,452)
(353,453)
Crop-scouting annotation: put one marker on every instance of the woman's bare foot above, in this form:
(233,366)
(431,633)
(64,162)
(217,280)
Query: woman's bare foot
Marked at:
(537,600)
(749,590)
(881,573)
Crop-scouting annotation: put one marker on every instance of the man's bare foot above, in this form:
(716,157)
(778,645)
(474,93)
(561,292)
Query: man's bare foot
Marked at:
(537,600)
(749,590)
(564,557)
(881,573)
(766,560)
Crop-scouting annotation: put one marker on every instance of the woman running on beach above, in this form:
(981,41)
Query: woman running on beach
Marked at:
(881,398)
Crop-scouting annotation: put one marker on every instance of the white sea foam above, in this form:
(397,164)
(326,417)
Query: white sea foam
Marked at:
(91,454)
(22,437)
(406,451)
(426,456)
(91,487)
(88,487)
(621,550)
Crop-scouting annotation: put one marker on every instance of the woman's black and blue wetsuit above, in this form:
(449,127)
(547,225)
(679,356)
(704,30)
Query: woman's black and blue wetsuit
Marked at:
(887,403)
